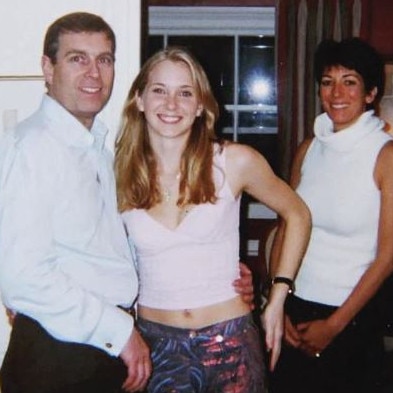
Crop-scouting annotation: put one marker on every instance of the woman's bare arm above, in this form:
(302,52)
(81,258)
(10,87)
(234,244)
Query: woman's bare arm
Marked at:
(248,171)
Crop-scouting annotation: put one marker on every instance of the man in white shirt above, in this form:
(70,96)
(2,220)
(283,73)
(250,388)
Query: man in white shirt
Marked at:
(65,264)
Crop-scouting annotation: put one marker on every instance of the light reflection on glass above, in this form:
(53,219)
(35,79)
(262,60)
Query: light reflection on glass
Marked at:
(260,88)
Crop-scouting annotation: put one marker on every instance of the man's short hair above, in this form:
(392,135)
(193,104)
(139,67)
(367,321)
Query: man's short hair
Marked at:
(76,22)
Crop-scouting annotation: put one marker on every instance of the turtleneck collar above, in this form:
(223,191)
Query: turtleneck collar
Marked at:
(345,139)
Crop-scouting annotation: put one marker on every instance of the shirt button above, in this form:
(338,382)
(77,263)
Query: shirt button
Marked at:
(108,345)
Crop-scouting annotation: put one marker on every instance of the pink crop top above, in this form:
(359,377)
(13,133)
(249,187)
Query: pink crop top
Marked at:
(195,264)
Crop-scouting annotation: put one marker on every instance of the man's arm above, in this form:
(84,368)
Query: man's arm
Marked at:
(136,356)
(244,286)
(31,279)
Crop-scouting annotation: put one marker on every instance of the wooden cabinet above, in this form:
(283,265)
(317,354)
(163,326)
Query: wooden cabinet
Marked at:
(377,26)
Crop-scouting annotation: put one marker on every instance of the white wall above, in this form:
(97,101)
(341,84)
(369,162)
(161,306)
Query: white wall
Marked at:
(22,28)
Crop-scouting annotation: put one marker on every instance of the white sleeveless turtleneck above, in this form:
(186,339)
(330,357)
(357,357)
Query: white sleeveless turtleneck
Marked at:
(337,184)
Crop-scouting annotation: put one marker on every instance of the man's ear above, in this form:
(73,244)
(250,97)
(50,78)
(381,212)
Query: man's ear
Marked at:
(47,69)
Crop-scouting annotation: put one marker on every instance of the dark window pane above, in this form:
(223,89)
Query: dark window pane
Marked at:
(257,71)
(217,58)
(224,126)
(257,119)
(154,44)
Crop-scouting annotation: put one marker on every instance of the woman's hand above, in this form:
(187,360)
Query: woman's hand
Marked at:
(273,324)
(315,336)
(291,334)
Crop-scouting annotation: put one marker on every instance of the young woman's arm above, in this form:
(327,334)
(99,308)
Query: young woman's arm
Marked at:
(291,335)
(248,171)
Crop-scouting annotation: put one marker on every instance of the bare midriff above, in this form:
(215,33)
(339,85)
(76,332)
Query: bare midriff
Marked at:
(196,318)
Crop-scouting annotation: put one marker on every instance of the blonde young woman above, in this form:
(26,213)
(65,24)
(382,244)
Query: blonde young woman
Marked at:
(179,191)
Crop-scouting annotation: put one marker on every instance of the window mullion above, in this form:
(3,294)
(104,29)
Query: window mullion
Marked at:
(236,89)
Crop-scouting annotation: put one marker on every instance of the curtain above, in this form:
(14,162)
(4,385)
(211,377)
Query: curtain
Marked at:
(300,26)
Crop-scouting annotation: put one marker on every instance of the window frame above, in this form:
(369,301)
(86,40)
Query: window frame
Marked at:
(195,20)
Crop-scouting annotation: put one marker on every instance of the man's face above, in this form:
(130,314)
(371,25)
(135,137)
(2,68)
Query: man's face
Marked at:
(82,78)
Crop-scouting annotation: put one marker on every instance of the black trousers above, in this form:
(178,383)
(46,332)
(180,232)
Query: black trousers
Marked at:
(353,362)
(35,362)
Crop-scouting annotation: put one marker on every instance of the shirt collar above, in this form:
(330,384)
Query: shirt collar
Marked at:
(69,129)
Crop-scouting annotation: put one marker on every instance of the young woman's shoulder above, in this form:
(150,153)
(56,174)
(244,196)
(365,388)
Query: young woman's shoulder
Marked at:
(244,165)
(241,154)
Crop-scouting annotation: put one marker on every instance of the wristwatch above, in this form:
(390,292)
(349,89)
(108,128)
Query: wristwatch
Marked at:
(284,280)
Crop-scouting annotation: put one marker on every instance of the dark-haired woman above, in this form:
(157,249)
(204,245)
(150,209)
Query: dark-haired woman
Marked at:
(345,175)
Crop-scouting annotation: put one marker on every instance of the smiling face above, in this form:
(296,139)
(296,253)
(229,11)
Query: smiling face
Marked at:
(343,96)
(169,100)
(81,80)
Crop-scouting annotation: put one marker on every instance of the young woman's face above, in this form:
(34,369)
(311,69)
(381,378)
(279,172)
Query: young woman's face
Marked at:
(170,101)
(343,96)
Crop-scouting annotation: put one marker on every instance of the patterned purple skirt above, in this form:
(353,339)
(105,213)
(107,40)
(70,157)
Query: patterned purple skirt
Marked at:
(225,357)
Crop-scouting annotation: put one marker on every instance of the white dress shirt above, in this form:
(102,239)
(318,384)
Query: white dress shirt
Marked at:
(64,256)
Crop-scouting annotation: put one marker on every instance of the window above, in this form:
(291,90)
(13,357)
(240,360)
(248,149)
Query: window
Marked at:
(236,46)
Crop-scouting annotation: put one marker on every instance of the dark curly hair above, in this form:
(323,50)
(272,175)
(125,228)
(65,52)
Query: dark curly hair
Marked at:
(354,54)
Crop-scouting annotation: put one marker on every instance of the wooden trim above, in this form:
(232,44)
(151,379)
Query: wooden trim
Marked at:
(21,78)
(213,3)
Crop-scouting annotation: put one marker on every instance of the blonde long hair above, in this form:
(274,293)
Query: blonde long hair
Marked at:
(135,164)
